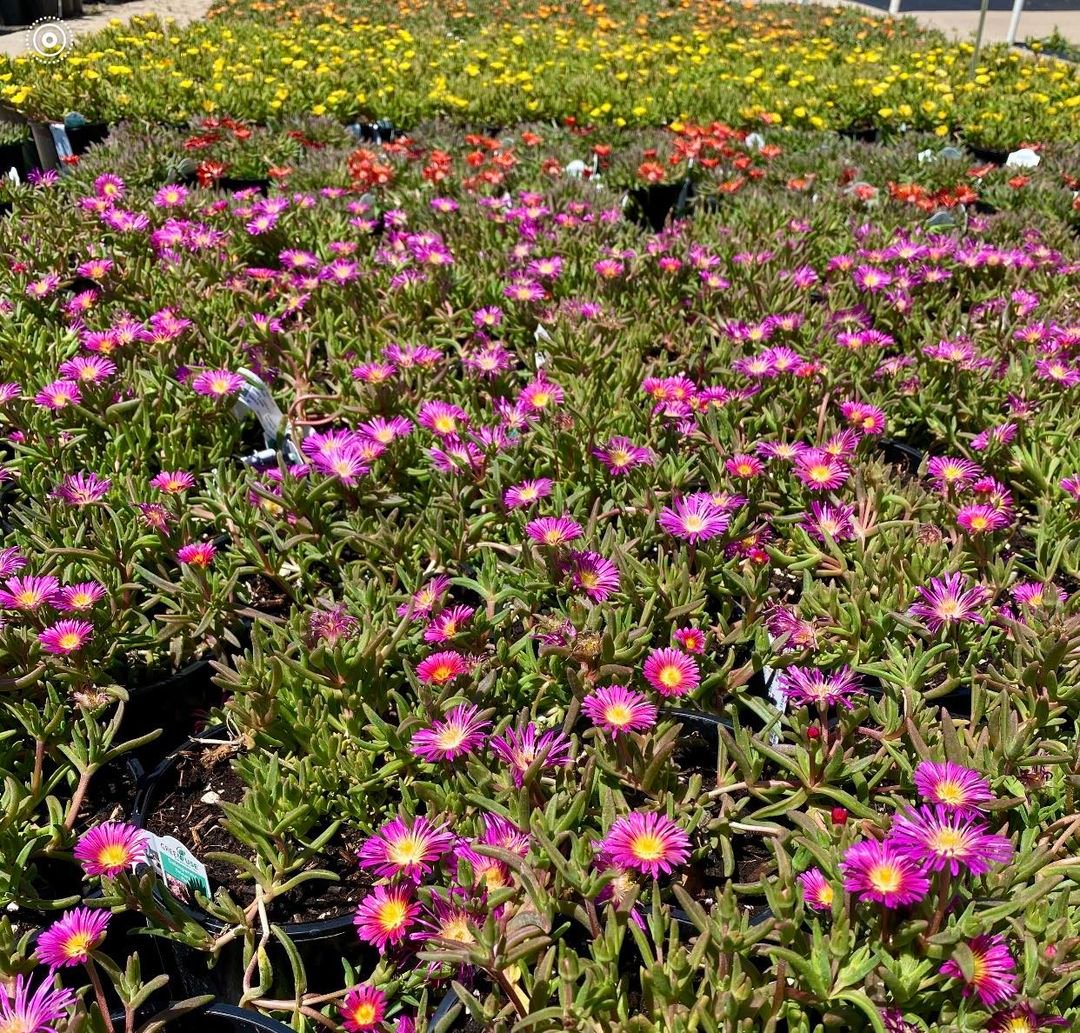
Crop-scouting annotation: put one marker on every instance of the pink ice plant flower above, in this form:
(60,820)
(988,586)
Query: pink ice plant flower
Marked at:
(879,872)
(405,848)
(461,732)
(644,842)
(695,518)
(520,750)
(71,940)
(442,668)
(948,601)
(809,686)
(66,637)
(111,848)
(554,531)
(27,1010)
(817,891)
(993,978)
(618,710)
(363,1009)
(671,672)
(386,914)
(217,383)
(952,786)
(944,839)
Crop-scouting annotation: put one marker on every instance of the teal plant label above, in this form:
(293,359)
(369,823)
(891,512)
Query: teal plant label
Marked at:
(184,874)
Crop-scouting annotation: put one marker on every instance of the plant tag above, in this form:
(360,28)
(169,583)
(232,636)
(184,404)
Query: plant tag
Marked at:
(184,874)
(255,398)
(60,140)
(772,687)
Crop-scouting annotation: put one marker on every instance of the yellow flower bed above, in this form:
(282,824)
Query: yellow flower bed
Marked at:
(488,63)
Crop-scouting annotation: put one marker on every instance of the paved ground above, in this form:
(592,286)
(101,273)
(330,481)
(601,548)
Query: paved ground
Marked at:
(961,24)
(954,22)
(99,15)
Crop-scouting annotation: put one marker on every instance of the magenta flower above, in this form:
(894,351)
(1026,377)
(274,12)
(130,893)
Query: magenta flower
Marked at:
(173,482)
(58,395)
(443,419)
(81,489)
(462,731)
(217,383)
(71,940)
(866,419)
(553,531)
(442,668)
(66,637)
(594,575)
(690,639)
(1035,594)
(448,624)
(448,921)
(947,840)
(870,278)
(1072,486)
(744,466)
(11,561)
(333,625)
(425,599)
(950,600)
(695,518)
(29,593)
(385,915)
(80,597)
(621,455)
(374,372)
(827,519)
(521,749)
(197,554)
(87,369)
(879,872)
(540,394)
(618,710)
(950,471)
(1023,1019)
(405,849)
(807,686)
(386,431)
(820,471)
(110,848)
(671,672)
(488,873)
(817,891)
(954,787)
(39,1012)
(981,519)
(994,978)
(648,843)
(520,496)
(363,1009)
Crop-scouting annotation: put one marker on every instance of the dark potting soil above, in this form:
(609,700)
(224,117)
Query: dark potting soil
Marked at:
(753,863)
(265,596)
(787,586)
(179,810)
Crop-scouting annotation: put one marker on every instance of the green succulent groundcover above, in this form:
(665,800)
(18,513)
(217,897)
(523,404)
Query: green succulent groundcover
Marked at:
(515,573)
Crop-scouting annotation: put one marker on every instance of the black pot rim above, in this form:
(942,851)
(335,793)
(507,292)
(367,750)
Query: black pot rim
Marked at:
(142,805)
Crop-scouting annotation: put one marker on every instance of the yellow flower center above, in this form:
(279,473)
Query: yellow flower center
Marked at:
(885,878)
(949,608)
(541,398)
(27,597)
(820,473)
(393,914)
(950,792)
(618,714)
(670,676)
(529,493)
(620,457)
(445,424)
(115,855)
(457,929)
(647,847)
(364,1014)
(451,738)
(78,945)
(825,894)
(70,640)
(406,851)
(694,523)
(979,523)
(948,841)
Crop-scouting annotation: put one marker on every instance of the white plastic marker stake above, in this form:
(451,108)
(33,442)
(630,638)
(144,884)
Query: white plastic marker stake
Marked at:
(1014,22)
(183,873)
(60,140)
(1025,158)
(255,397)
(772,687)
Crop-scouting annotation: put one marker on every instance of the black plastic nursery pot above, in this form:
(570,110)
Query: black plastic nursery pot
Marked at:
(861,133)
(220,1017)
(83,137)
(321,944)
(650,207)
(900,454)
(175,705)
(989,154)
